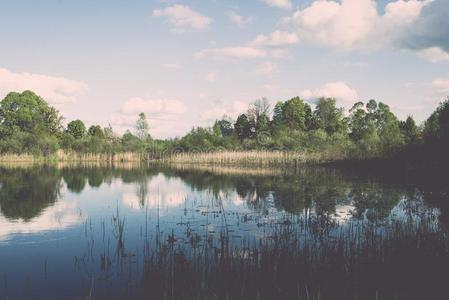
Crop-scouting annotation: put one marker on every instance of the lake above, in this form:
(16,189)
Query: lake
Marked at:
(155,232)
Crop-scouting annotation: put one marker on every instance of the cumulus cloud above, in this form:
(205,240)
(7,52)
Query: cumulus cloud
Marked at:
(56,90)
(338,90)
(434,54)
(239,20)
(283,4)
(153,106)
(229,110)
(418,25)
(232,52)
(277,38)
(182,16)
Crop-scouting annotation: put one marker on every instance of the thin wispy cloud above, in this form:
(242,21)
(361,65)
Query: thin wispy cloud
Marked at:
(240,21)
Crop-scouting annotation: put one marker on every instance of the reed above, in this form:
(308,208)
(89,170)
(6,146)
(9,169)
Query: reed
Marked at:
(64,156)
(245,158)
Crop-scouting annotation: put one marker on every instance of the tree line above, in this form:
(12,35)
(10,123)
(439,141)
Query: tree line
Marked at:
(28,124)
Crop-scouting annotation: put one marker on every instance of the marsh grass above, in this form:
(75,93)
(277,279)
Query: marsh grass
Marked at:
(70,156)
(306,257)
(246,158)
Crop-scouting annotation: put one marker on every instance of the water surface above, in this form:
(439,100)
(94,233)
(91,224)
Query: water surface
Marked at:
(104,232)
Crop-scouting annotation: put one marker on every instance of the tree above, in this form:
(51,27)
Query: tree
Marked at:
(223,127)
(142,127)
(96,131)
(329,117)
(29,113)
(260,107)
(436,127)
(294,113)
(409,130)
(244,128)
(77,129)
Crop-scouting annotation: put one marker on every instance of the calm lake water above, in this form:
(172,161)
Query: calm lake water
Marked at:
(119,232)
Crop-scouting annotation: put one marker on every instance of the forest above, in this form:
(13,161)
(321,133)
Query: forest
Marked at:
(29,125)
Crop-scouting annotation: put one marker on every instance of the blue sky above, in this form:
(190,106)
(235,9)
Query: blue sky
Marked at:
(185,63)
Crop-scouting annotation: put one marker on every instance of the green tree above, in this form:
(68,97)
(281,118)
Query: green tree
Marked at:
(329,117)
(294,113)
(29,113)
(142,127)
(410,131)
(96,131)
(244,127)
(77,129)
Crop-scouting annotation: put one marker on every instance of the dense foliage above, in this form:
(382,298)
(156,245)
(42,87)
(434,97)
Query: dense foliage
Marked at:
(29,125)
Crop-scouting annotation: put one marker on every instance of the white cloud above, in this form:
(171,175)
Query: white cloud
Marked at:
(356,24)
(182,16)
(171,193)
(153,106)
(267,68)
(434,54)
(338,90)
(230,110)
(211,77)
(277,38)
(283,4)
(239,20)
(232,52)
(56,90)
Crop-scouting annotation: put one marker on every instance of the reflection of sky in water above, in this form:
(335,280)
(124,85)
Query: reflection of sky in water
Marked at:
(69,235)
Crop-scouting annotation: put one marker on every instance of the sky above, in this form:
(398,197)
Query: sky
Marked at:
(186,63)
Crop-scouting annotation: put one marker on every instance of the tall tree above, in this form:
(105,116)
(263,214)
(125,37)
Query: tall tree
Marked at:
(76,128)
(294,113)
(244,127)
(96,131)
(142,127)
(329,117)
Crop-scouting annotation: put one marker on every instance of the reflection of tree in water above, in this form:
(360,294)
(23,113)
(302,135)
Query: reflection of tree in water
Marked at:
(25,193)
(75,179)
(373,200)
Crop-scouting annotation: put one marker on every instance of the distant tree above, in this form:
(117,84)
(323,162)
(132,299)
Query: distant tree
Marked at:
(278,113)
(244,127)
(436,127)
(260,107)
(409,130)
(96,131)
(223,127)
(294,113)
(76,128)
(142,127)
(329,117)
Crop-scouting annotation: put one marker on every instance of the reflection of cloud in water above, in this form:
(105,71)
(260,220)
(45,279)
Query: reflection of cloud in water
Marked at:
(159,191)
(60,216)
(343,213)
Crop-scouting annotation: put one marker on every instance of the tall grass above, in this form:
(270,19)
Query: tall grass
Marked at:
(245,158)
(63,156)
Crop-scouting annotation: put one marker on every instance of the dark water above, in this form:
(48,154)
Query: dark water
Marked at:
(151,232)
